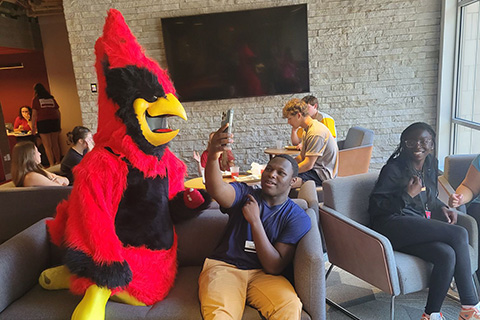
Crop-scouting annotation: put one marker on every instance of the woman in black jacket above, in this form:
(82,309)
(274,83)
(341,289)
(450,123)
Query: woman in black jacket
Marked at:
(401,205)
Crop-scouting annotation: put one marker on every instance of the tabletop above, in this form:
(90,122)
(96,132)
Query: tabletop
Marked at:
(275,152)
(197,183)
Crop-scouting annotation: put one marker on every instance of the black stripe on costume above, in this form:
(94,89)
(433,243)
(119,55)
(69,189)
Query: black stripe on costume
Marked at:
(116,274)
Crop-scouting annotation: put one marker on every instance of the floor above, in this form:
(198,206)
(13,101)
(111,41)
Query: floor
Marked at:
(369,303)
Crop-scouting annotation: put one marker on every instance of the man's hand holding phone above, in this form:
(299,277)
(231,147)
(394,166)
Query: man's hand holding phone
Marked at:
(220,142)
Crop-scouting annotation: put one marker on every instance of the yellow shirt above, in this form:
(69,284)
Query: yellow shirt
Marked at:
(324,118)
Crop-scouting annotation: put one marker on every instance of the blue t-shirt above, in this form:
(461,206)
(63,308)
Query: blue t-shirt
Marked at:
(286,223)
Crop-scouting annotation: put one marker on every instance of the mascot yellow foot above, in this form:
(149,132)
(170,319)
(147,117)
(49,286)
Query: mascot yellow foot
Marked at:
(92,306)
(126,298)
(55,278)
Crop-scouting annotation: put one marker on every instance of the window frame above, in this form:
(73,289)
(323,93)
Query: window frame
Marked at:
(449,76)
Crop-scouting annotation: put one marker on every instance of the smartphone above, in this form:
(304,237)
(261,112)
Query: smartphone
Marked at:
(227,117)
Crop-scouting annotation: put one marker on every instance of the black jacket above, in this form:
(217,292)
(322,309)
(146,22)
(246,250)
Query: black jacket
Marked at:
(390,198)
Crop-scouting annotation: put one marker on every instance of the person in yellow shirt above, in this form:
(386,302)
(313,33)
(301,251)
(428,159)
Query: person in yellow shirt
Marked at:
(322,117)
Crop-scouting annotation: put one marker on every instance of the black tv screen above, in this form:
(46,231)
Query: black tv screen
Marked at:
(238,54)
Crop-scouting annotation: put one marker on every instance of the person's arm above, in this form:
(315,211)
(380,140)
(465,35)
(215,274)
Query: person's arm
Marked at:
(17,126)
(196,156)
(274,258)
(294,136)
(63,181)
(34,179)
(221,191)
(314,148)
(391,192)
(307,164)
(34,121)
(468,189)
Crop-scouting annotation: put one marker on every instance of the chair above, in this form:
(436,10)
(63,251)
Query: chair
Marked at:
(368,255)
(355,152)
(455,170)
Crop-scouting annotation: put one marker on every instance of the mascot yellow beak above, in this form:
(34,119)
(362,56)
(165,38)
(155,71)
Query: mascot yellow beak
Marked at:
(152,117)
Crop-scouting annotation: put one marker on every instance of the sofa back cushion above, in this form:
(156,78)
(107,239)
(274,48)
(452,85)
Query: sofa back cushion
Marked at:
(350,195)
(22,207)
(358,136)
(198,237)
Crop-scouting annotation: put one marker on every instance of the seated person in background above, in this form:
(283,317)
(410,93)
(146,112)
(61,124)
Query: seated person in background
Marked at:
(225,161)
(322,117)
(467,192)
(401,205)
(27,170)
(263,230)
(318,158)
(82,141)
(24,120)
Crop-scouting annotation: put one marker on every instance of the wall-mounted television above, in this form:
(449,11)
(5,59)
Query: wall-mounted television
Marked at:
(238,54)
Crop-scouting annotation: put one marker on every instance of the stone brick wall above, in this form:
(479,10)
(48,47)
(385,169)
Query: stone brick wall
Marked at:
(373,63)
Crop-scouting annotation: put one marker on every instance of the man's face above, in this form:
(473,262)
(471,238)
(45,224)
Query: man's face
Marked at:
(312,109)
(277,177)
(294,120)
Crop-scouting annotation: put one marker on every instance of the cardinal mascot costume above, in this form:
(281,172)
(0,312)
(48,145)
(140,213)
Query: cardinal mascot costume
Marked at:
(117,227)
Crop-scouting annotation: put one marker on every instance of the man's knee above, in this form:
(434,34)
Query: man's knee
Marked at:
(292,309)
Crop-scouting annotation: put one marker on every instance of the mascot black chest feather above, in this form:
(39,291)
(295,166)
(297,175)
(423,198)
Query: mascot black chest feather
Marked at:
(143,217)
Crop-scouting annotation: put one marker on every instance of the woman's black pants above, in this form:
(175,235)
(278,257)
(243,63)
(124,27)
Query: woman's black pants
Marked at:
(442,244)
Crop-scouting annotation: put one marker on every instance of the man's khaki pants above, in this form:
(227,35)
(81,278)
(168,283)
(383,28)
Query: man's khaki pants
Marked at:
(224,289)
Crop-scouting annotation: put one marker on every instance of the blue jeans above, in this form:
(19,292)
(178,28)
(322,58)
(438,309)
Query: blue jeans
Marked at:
(311,175)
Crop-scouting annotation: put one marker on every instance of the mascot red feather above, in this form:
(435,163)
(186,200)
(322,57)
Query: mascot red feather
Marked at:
(118,224)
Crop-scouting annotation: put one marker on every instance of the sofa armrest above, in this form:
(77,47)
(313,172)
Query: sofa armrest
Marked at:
(309,271)
(470,224)
(22,259)
(359,250)
(308,192)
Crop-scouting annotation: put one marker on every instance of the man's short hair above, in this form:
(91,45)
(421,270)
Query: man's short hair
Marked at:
(311,100)
(295,106)
(292,162)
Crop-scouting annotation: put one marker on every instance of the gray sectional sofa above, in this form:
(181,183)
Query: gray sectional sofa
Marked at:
(24,256)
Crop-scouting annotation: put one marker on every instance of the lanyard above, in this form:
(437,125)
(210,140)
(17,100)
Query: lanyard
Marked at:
(424,196)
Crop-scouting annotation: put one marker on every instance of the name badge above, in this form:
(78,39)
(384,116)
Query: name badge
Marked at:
(250,246)
(428,214)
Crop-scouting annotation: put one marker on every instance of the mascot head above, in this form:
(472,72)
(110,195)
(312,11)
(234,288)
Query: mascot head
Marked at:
(135,95)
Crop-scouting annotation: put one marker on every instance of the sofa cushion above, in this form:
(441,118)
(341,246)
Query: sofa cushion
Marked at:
(22,207)
(197,238)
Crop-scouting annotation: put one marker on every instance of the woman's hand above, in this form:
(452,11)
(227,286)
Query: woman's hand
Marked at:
(414,186)
(450,214)
(455,200)
(196,156)
(63,181)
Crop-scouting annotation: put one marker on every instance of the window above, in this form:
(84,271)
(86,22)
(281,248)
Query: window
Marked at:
(466,102)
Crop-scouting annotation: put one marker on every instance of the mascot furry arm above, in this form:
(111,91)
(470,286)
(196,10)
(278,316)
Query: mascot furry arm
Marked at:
(118,224)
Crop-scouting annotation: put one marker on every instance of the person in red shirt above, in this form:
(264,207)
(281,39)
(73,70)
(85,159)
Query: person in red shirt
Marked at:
(225,161)
(46,120)
(24,120)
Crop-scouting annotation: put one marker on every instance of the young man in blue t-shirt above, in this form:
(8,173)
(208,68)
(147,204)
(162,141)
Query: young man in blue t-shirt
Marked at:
(263,230)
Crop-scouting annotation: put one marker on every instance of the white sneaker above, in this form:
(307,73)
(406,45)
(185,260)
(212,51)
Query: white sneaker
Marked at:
(433,316)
